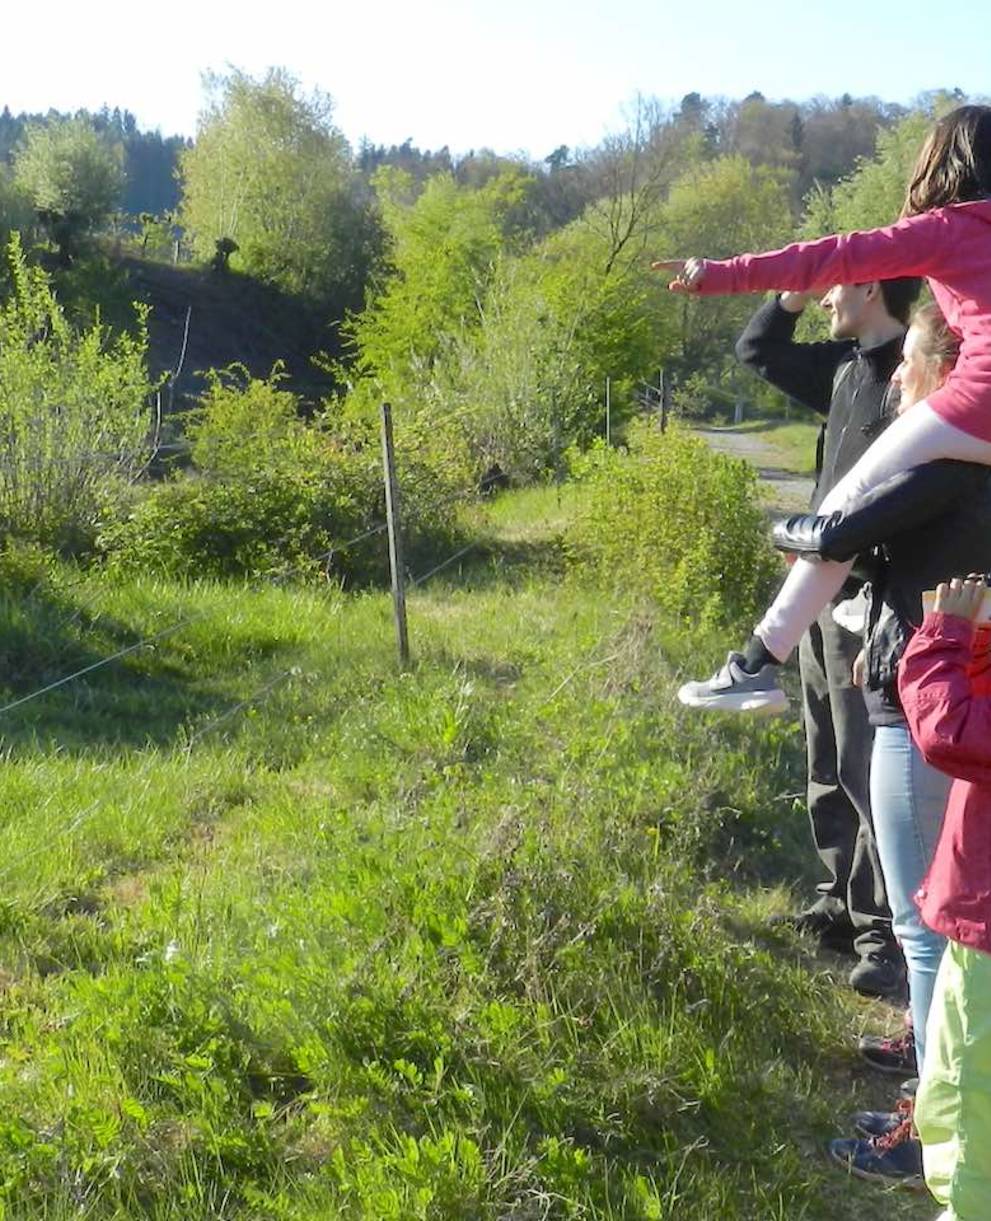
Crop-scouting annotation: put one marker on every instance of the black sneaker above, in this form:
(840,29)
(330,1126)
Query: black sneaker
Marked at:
(882,1123)
(889,1055)
(894,1159)
(831,934)
(878,976)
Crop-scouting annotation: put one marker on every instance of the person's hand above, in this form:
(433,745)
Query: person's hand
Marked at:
(857,672)
(794,303)
(961,597)
(687,274)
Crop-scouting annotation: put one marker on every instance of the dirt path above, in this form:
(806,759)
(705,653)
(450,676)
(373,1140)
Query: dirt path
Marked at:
(782,491)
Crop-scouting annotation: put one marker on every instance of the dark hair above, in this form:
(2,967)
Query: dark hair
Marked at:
(954,164)
(899,296)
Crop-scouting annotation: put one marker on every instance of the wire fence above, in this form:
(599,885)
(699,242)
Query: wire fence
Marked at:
(282,679)
(493,479)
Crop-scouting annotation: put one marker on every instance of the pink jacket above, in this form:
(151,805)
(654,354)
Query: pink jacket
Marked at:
(950,246)
(945,686)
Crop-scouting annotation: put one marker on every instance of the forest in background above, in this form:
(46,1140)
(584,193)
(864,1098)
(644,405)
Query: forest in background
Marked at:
(487,297)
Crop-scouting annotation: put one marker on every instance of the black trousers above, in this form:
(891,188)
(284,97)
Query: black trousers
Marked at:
(838,740)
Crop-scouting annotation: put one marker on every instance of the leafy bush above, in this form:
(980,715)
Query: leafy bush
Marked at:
(268,493)
(681,523)
(74,415)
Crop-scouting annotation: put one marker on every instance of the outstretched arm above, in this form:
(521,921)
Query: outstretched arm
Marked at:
(914,246)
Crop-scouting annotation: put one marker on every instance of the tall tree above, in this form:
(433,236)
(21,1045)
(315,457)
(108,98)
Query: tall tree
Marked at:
(874,193)
(443,246)
(73,177)
(270,172)
(631,173)
(720,208)
(15,207)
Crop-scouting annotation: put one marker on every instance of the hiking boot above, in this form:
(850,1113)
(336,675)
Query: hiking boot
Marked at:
(830,933)
(894,1159)
(889,1055)
(732,689)
(882,1123)
(878,976)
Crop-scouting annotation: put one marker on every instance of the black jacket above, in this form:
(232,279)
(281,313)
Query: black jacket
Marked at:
(847,384)
(937,524)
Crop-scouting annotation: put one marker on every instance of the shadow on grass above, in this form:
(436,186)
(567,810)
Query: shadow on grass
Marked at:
(141,698)
(505,562)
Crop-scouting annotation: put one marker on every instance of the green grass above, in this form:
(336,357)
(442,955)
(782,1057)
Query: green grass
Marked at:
(287,933)
(791,445)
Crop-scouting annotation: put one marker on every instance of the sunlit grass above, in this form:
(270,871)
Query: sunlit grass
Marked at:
(287,932)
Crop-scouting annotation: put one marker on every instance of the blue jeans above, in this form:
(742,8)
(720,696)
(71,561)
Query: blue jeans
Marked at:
(908,798)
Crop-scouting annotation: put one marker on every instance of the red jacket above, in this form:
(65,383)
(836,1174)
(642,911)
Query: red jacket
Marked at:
(945,686)
(951,246)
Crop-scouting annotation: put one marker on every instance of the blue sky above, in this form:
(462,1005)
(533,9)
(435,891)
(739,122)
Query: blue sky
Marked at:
(507,74)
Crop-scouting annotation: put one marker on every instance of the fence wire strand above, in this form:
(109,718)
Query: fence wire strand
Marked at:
(259,696)
(104,661)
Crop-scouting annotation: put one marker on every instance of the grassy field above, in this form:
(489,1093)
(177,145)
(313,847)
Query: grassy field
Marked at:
(791,445)
(286,933)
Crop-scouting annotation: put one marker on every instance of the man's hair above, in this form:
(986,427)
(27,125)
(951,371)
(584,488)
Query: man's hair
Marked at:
(899,296)
(954,164)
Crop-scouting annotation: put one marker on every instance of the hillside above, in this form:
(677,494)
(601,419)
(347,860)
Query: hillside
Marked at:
(232,319)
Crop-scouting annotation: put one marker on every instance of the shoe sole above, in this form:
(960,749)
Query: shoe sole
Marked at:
(838,945)
(894,1070)
(879,994)
(770,703)
(911,1182)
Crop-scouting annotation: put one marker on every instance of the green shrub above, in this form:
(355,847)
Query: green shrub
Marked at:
(697,398)
(677,521)
(74,416)
(269,493)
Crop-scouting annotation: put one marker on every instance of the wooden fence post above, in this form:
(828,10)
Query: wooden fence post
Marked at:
(664,388)
(608,406)
(395,535)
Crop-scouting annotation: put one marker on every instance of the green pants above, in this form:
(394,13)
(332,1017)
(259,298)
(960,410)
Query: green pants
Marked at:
(953,1107)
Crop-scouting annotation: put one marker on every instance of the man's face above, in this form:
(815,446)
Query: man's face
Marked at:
(848,307)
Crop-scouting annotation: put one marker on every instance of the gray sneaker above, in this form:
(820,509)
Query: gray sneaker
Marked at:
(732,689)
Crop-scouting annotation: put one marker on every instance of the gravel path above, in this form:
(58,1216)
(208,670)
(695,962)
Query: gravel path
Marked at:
(782,491)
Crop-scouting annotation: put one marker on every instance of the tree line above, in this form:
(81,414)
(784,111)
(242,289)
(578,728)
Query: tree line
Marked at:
(489,297)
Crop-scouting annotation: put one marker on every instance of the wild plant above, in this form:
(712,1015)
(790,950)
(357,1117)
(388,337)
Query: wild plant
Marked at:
(75,414)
